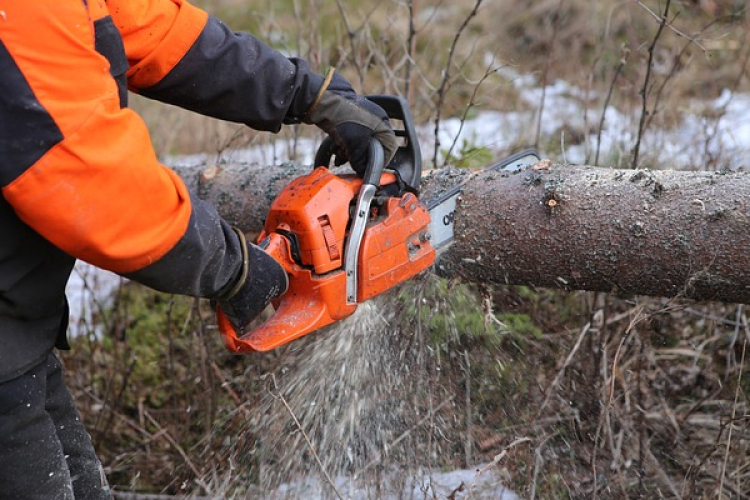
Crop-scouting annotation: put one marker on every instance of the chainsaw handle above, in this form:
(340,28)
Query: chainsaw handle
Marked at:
(375,160)
(294,317)
(407,161)
(375,164)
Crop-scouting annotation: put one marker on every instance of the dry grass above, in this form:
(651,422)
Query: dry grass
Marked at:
(614,399)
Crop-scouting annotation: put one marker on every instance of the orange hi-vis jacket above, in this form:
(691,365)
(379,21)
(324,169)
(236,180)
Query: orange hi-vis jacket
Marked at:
(78,174)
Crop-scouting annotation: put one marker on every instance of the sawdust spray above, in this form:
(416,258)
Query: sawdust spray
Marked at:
(348,388)
(360,410)
(341,390)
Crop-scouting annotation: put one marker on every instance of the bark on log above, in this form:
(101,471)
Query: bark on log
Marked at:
(659,233)
(242,193)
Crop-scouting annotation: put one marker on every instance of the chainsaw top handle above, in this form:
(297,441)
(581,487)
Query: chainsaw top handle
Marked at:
(407,161)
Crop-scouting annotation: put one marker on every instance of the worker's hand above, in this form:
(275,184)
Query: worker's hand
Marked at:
(351,120)
(261,280)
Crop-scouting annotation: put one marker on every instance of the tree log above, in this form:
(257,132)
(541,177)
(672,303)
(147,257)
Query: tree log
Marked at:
(242,193)
(632,232)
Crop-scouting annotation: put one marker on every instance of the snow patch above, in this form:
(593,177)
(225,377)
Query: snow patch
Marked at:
(461,483)
(90,291)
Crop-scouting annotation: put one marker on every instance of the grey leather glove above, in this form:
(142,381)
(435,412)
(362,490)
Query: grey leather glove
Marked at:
(351,120)
(261,280)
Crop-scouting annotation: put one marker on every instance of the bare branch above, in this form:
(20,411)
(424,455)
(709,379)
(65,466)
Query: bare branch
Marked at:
(737,390)
(445,82)
(669,25)
(489,71)
(644,89)
(545,75)
(323,470)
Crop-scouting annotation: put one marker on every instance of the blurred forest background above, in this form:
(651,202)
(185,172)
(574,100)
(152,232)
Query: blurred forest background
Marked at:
(564,395)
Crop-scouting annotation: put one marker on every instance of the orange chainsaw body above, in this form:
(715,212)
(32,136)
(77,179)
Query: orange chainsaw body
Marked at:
(307,231)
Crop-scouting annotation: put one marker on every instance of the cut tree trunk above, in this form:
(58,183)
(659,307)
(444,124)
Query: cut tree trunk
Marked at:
(633,232)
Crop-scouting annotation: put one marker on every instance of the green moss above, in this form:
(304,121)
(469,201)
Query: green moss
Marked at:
(520,325)
(452,313)
(145,331)
(469,155)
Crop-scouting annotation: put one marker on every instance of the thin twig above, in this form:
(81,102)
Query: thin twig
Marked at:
(640,416)
(281,398)
(644,89)
(734,406)
(445,82)
(618,71)
(660,473)
(547,68)
(560,374)
(227,387)
(411,44)
(538,459)
(605,410)
(677,61)
(468,439)
(489,71)
(731,358)
(669,25)
(181,451)
(496,461)
(408,432)
(351,36)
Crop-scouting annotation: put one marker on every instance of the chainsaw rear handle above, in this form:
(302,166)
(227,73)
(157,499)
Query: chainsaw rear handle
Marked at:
(375,160)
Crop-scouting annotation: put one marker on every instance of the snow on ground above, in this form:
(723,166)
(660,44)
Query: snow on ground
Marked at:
(461,483)
(89,291)
(726,139)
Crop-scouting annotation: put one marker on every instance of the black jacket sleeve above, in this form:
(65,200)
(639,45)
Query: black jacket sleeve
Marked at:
(236,77)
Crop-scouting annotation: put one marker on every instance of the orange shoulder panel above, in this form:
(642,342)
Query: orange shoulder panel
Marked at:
(157,34)
(99,194)
(97,9)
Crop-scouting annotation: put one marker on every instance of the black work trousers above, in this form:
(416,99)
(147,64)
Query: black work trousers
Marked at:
(45,452)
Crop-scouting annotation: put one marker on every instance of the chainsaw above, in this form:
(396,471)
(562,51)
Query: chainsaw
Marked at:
(343,239)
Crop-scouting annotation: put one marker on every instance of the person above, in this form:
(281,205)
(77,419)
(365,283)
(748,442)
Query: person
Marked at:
(80,180)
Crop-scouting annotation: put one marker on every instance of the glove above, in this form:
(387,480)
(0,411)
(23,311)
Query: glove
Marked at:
(261,280)
(351,120)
